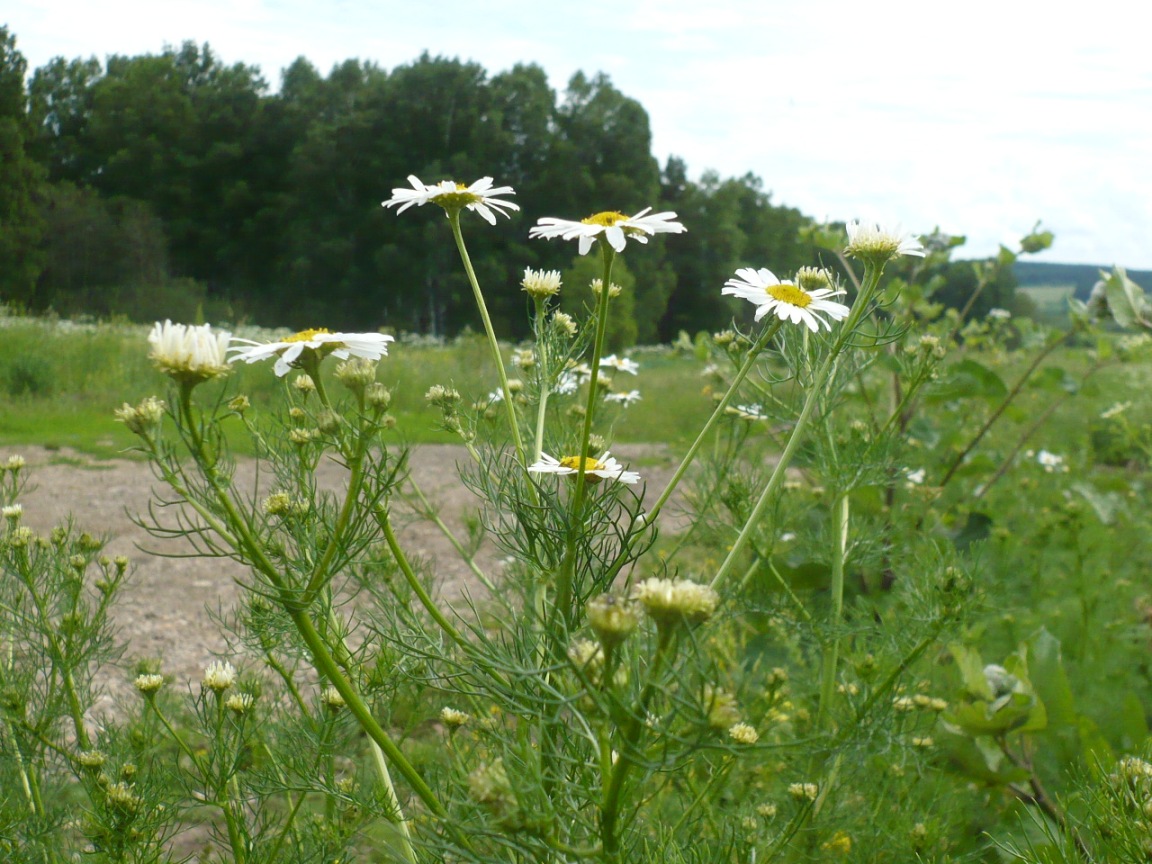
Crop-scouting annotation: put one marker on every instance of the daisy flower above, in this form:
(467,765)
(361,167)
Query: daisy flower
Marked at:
(479,197)
(613,225)
(870,241)
(371,346)
(789,302)
(595,470)
(189,353)
(1051,462)
(625,399)
(620,364)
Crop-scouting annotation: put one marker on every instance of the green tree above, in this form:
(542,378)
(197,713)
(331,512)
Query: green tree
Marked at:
(21,180)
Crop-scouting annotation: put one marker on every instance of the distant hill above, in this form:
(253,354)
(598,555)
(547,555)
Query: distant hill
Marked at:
(1083,276)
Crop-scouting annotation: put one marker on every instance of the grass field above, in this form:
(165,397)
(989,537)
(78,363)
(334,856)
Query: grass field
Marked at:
(60,383)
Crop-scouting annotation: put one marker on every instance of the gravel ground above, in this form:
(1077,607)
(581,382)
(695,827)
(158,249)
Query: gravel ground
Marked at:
(165,611)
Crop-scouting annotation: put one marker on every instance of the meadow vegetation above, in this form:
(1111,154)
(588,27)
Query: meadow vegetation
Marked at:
(908,620)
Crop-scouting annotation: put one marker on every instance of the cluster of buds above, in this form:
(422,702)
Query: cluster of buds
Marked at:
(283,505)
(357,374)
(448,399)
(919,702)
(143,419)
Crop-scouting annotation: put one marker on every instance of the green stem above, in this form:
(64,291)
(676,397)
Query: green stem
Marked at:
(327,666)
(513,422)
(753,354)
(175,736)
(872,273)
(428,512)
(385,523)
(610,808)
(390,794)
(320,573)
(321,656)
(35,807)
(229,808)
(566,616)
(543,376)
(832,650)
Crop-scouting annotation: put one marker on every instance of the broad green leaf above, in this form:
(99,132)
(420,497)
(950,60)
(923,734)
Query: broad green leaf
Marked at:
(1126,300)
(971,669)
(1050,680)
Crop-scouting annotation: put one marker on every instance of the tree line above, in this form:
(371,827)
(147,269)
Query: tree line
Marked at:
(173,184)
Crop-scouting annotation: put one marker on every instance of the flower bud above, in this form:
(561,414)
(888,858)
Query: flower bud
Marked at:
(612,619)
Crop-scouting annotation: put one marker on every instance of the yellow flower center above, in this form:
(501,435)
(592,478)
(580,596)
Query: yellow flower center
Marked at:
(574,462)
(457,200)
(307,335)
(607,219)
(788,293)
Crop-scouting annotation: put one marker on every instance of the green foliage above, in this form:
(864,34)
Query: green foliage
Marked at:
(21,181)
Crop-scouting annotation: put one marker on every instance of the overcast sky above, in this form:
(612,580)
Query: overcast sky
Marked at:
(978,117)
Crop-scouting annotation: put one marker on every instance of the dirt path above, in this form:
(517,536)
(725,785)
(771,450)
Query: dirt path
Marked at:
(165,612)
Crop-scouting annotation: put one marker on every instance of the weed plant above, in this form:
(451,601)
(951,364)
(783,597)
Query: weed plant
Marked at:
(898,627)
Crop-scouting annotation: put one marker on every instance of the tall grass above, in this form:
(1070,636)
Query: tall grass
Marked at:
(61,380)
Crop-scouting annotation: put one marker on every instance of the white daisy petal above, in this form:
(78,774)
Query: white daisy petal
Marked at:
(595,469)
(480,197)
(786,301)
(371,346)
(615,227)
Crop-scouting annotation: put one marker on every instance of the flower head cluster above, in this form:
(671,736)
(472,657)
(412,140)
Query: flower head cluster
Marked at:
(612,225)
(370,346)
(240,703)
(611,618)
(481,197)
(870,242)
(540,284)
(595,469)
(219,676)
(742,733)
(787,301)
(453,718)
(189,354)
(148,684)
(671,600)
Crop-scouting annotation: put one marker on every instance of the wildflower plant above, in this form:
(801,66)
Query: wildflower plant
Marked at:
(619,691)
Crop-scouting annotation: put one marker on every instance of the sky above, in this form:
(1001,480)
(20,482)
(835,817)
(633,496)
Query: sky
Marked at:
(979,118)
